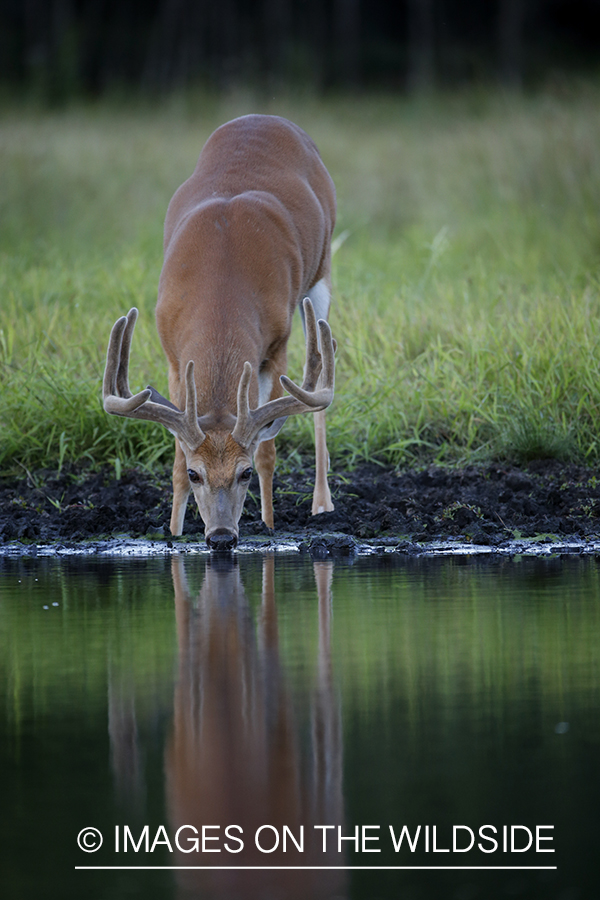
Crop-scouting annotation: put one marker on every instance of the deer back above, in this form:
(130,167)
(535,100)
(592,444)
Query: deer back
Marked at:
(246,237)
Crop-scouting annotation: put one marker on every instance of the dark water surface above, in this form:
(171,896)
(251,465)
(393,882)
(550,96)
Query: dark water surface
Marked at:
(165,701)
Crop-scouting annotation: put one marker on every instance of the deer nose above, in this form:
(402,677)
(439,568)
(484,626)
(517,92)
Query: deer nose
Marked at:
(221,541)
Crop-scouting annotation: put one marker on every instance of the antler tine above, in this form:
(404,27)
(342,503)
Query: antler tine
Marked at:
(314,365)
(119,401)
(243,422)
(123,370)
(319,362)
(307,394)
(116,394)
(113,358)
(192,428)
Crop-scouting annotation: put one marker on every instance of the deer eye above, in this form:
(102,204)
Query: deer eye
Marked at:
(246,475)
(195,477)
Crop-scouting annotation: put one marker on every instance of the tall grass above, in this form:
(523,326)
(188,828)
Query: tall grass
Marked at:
(466,290)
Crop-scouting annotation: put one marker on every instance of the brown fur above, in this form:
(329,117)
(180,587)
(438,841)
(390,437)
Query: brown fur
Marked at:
(246,238)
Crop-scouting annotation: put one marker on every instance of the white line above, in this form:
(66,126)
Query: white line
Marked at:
(329,868)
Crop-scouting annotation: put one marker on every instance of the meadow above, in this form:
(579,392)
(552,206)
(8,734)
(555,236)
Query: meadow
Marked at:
(466,288)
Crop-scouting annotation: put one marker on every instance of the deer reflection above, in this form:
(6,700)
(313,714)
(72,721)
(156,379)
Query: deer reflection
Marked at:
(235,756)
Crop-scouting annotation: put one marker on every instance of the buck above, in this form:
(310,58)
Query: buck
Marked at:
(247,238)
(236,753)
(244,749)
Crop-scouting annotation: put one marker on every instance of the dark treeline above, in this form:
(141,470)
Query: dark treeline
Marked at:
(62,47)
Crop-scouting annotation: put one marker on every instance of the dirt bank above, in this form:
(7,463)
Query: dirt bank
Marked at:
(482,504)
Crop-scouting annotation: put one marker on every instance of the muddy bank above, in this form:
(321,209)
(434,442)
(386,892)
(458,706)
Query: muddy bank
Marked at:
(480,504)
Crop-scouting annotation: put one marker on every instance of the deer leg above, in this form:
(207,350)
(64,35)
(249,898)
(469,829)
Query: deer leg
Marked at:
(269,388)
(322,501)
(320,296)
(264,460)
(181,491)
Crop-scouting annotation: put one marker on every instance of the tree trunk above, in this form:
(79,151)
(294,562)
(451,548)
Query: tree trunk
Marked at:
(277,23)
(510,42)
(346,29)
(421,45)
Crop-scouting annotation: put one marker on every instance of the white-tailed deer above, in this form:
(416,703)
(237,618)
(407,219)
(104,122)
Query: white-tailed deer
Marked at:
(247,237)
(245,748)
(236,753)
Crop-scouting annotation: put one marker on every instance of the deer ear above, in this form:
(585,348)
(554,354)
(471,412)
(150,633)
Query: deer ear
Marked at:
(158,398)
(271,429)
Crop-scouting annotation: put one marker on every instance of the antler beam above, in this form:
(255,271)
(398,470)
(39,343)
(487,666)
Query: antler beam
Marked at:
(119,401)
(320,363)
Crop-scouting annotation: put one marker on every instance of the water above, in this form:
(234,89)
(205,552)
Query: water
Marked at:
(180,693)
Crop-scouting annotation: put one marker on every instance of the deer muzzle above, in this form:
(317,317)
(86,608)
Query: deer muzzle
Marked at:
(221,540)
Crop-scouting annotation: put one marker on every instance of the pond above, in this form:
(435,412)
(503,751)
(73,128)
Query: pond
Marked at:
(276,727)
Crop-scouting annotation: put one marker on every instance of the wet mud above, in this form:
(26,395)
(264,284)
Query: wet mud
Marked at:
(481,505)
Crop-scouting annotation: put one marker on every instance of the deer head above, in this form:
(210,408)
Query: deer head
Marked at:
(219,449)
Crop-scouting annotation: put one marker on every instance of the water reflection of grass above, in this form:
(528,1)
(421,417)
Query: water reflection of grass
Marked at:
(106,625)
(467,299)
(439,629)
(506,632)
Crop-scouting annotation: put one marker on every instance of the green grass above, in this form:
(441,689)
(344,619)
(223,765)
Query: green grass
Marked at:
(467,301)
